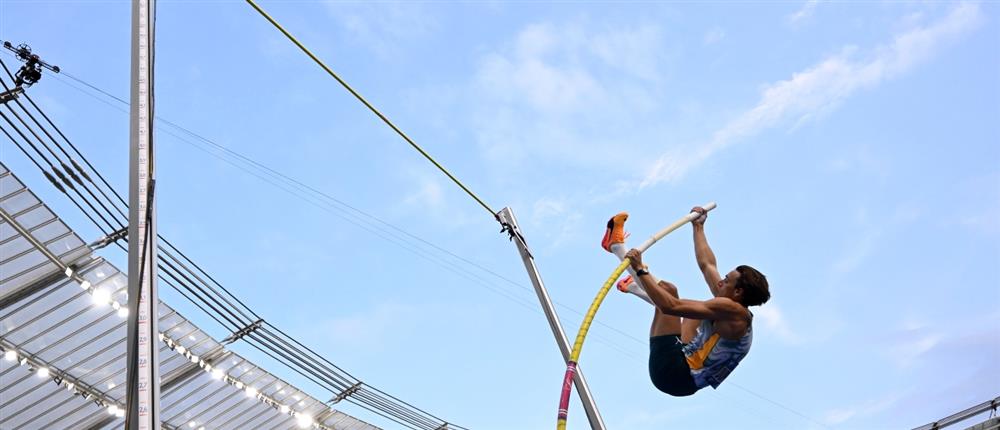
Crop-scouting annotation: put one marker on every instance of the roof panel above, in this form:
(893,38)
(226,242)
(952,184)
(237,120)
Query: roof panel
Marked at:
(16,201)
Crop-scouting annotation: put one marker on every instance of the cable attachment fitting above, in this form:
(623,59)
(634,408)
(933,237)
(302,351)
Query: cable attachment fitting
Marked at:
(345,394)
(7,96)
(31,71)
(508,225)
(109,239)
(239,334)
(443,426)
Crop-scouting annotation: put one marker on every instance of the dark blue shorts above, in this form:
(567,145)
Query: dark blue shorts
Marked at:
(668,368)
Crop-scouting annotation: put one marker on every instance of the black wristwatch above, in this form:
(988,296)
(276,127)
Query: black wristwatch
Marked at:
(641,272)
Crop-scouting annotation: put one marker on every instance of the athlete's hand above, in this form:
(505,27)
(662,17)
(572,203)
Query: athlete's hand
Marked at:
(701,219)
(634,257)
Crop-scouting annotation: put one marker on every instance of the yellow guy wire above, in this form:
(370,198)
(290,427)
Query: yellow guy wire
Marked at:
(589,318)
(369,105)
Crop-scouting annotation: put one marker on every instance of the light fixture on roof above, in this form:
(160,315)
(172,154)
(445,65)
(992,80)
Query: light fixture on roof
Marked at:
(284,409)
(304,421)
(112,410)
(43,372)
(122,311)
(217,374)
(192,424)
(194,358)
(101,296)
(251,392)
(10,355)
(85,285)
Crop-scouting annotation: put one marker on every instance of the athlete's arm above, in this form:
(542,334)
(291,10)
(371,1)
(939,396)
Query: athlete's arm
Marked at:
(717,309)
(703,253)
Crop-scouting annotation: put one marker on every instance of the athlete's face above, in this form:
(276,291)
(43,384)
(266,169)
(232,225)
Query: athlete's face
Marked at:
(727,286)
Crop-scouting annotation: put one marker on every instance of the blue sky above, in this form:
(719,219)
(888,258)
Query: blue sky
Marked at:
(852,149)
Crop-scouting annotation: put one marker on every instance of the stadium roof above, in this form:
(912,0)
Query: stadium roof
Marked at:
(63,346)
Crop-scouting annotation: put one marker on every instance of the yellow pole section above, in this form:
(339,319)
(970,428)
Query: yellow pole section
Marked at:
(589,318)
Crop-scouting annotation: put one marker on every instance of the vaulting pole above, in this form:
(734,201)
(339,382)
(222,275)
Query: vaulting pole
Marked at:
(143,367)
(506,216)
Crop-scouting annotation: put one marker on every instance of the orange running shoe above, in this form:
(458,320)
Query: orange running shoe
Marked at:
(615,232)
(623,283)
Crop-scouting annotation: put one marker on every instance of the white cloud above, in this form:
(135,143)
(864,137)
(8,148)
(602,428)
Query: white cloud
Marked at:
(555,220)
(870,407)
(383,26)
(774,322)
(982,212)
(714,35)
(428,194)
(565,93)
(858,252)
(806,11)
(987,221)
(820,89)
(904,354)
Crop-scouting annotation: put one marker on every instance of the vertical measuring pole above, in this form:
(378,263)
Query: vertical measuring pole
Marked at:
(143,367)
(507,217)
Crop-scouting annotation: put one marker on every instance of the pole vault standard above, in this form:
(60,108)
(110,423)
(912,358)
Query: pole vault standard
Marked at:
(143,368)
(506,217)
(574,358)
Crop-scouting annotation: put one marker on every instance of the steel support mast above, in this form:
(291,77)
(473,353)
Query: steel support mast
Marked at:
(143,367)
(507,217)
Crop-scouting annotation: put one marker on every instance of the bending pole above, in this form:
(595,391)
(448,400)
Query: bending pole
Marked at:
(571,366)
(506,216)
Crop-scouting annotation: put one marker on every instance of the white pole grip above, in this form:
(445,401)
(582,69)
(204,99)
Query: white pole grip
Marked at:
(684,220)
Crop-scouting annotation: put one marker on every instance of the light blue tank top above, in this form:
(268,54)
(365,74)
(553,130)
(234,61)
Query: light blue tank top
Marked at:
(711,358)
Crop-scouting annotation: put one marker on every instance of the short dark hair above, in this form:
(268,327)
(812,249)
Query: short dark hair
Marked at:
(754,285)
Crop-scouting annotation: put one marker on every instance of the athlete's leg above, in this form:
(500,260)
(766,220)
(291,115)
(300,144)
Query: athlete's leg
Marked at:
(663,323)
(630,287)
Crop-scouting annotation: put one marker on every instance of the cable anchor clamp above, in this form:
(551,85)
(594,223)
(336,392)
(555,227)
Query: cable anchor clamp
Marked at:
(109,239)
(507,227)
(7,96)
(239,334)
(344,394)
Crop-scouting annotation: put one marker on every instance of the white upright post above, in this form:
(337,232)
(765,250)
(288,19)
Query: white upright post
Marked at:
(143,367)
(589,405)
